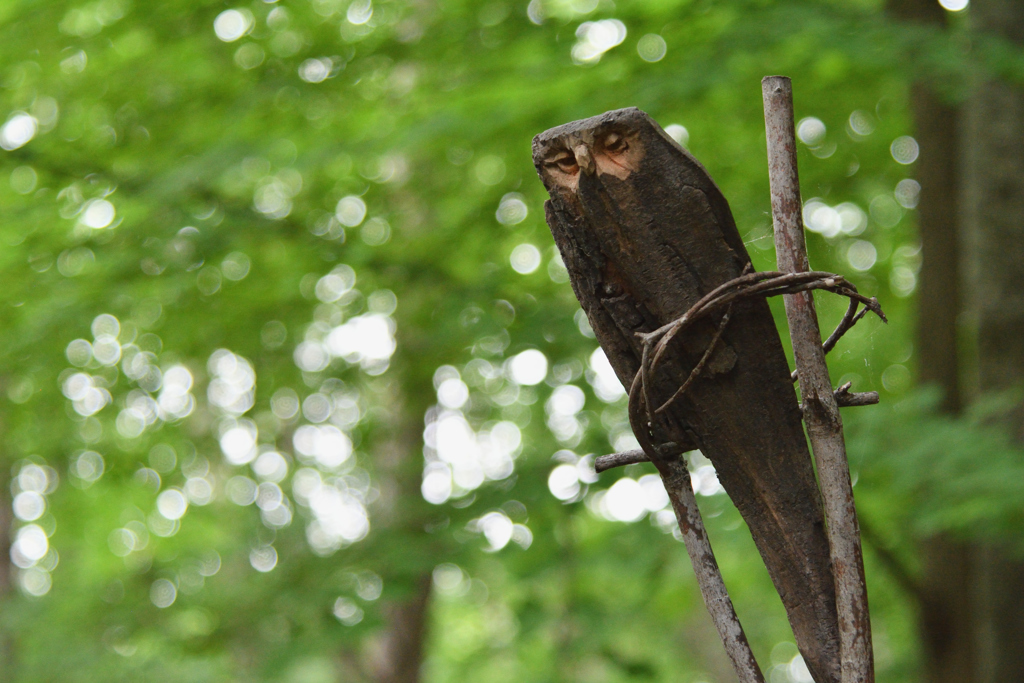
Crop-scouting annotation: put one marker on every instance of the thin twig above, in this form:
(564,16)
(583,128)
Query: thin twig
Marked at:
(763,281)
(676,478)
(607,462)
(848,321)
(844,399)
(749,285)
(703,360)
(821,413)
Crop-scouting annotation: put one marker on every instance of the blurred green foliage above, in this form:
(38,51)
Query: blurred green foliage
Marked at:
(309,183)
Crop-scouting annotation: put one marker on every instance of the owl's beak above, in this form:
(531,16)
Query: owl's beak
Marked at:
(583,159)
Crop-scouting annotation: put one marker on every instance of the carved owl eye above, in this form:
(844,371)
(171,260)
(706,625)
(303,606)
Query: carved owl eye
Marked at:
(564,161)
(615,143)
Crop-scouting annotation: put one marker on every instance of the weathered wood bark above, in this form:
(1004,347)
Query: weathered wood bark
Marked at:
(821,412)
(994,223)
(644,233)
(946,620)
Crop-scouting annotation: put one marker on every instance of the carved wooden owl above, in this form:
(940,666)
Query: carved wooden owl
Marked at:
(645,233)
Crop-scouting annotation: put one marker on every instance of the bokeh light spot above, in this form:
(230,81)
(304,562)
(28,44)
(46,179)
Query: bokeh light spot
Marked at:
(525,259)
(860,123)
(18,131)
(350,211)
(24,179)
(88,466)
(563,482)
(31,542)
(497,529)
(163,593)
(594,38)
(376,232)
(239,444)
(316,70)
(437,483)
(249,56)
(862,255)
(490,169)
(79,352)
(232,24)
(359,12)
(651,48)
(512,209)
(235,266)
(285,403)
(453,393)
(347,612)
(907,193)
(172,504)
(624,501)
(98,214)
(241,490)
(904,150)
(678,133)
(896,378)
(29,506)
(528,368)
(35,581)
(603,379)
(811,131)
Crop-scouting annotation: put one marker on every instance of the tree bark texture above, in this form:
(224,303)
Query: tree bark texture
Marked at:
(994,222)
(821,412)
(645,233)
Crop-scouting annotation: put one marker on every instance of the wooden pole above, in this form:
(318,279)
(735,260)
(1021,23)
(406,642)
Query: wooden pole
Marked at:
(676,477)
(821,412)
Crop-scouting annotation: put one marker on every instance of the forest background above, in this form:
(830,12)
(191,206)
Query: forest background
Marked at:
(295,388)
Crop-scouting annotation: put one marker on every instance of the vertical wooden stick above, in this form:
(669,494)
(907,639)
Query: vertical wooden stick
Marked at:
(676,478)
(821,413)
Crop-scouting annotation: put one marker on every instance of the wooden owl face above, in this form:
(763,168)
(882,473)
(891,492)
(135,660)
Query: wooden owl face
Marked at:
(621,168)
(612,144)
(609,148)
(637,191)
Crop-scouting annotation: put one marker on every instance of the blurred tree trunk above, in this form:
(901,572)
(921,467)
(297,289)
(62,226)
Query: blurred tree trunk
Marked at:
(7,578)
(401,650)
(7,663)
(397,655)
(946,613)
(948,644)
(994,221)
